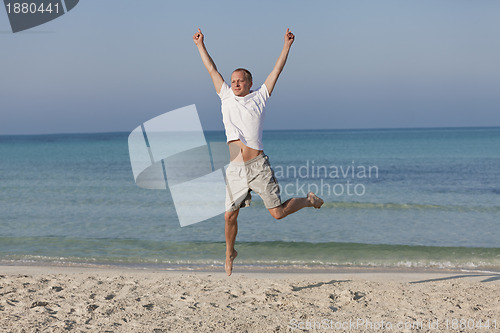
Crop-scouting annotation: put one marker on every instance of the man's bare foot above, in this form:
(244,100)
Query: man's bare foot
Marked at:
(229,263)
(315,200)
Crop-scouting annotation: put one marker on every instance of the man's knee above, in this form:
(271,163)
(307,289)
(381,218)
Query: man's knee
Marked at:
(231,217)
(278,213)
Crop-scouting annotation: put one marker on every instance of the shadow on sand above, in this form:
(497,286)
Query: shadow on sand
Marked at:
(490,277)
(319,284)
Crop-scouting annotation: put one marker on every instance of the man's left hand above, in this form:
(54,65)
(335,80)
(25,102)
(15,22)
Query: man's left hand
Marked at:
(289,37)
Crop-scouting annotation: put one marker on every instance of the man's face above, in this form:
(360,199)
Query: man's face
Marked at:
(240,85)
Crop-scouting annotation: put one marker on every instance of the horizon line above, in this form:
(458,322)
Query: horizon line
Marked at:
(275,130)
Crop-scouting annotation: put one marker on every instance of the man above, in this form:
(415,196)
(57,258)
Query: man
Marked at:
(249,170)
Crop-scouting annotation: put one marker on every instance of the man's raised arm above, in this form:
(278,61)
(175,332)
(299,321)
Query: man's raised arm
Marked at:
(207,61)
(280,63)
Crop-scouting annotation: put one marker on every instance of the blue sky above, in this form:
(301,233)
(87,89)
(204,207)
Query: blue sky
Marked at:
(111,65)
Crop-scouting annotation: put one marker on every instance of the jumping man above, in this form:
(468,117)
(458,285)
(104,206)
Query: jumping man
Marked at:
(249,170)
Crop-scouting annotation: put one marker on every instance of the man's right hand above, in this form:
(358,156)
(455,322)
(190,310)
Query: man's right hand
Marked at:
(198,37)
(208,62)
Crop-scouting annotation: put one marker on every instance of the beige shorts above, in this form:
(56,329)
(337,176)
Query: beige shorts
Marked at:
(253,175)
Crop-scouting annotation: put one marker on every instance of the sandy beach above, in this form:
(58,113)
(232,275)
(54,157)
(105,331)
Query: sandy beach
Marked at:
(94,299)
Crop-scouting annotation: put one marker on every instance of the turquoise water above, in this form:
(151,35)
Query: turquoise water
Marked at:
(397,198)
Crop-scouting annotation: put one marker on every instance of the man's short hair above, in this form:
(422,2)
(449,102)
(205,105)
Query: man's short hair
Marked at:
(248,75)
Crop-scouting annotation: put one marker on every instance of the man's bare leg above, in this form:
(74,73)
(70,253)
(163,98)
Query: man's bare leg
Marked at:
(294,204)
(231,229)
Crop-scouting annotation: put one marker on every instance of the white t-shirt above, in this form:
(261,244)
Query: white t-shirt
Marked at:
(243,116)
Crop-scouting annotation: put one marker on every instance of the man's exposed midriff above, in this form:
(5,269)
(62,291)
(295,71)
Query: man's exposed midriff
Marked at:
(247,153)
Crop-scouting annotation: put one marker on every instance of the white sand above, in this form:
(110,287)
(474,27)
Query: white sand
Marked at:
(62,299)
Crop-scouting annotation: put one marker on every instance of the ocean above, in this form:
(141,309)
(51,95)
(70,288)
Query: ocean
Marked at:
(398,198)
